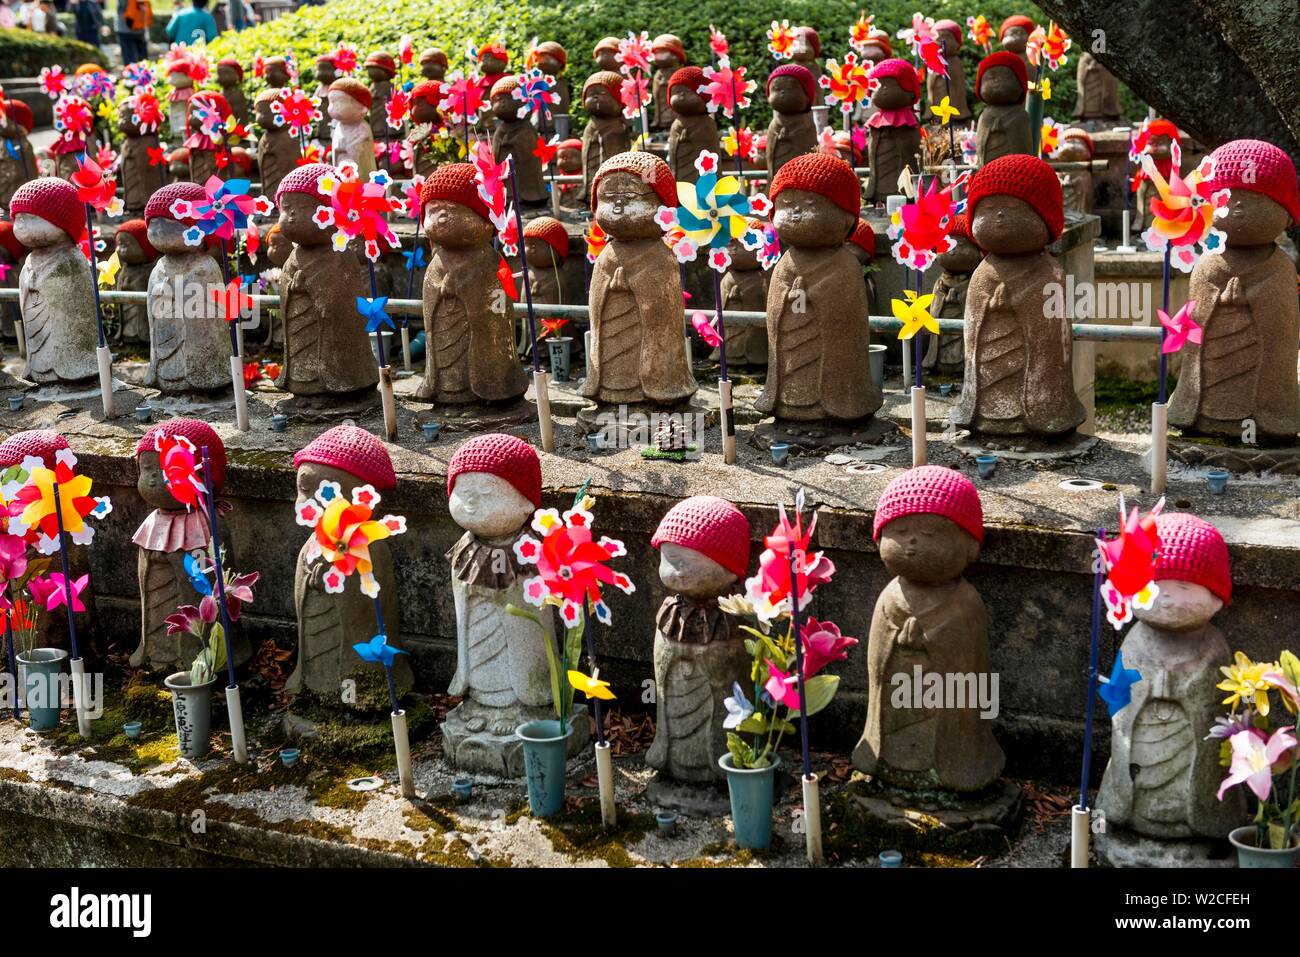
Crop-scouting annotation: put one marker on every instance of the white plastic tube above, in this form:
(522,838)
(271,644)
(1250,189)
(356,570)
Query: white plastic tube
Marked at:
(105,360)
(812,818)
(1159,447)
(389,402)
(605,778)
(1124,246)
(728,422)
(406,348)
(241,398)
(78,666)
(542,392)
(907,364)
(235,712)
(1079,836)
(402,743)
(918,427)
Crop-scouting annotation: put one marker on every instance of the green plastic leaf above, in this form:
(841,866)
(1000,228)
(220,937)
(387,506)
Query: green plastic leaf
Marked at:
(742,755)
(818,692)
(524,613)
(1290,667)
(553,664)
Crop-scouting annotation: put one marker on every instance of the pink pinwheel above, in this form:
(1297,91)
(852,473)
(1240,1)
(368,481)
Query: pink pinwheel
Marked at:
(1184,210)
(295,110)
(634,93)
(358,209)
(780,38)
(397,108)
(1130,564)
(1255,759)
(726,89)
(51,591)
(770,251)
(822,645)
(782,688)
(1181,328)
(535,93)
(634,53)
(702,323)
(845,84)
(931,54)
(570,564)
(183,59)
(54,82)
(769,590)
(96,187)
(225,211)
(492,178)
(921,30)
(717,41)
(345,59)
(921,231)
(411,197)
(462,97)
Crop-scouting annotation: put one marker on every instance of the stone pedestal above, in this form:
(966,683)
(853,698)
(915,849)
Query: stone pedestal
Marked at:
(702,800)
(936,821)
(1121,848)
(474,738)
(821,436)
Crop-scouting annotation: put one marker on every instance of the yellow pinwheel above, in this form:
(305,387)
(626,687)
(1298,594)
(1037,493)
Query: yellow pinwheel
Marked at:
(945,111)
(106,110)
(108,271)
(1046,88)
(914,314)
(592,686)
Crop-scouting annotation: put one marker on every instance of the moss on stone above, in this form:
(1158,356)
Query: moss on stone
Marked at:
(848,834)
(13,774)
(580,834)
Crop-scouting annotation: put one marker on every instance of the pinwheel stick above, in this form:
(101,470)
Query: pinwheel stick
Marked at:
(77,665)
(9,647)
(1079,830)
(234,707)
(724,380)
(385,371)
(812,812)
(735,120)
(541,387)
(102,356)
(236,351)
(388,670)
(952,137)
(1164,300)
(1160,408)
(591,660)
(1036,109)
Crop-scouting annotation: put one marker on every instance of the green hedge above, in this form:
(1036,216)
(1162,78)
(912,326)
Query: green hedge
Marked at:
(24,53)
(579,24)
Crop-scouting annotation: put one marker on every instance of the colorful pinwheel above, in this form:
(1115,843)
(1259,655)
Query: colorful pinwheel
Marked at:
(462,98)
(945,111)
(634,94)
(1048,47)
(96,187)
(492,179)
(146,111)
(54,82)
(726,88)
(297,111)
(1130,563)
(1184,210)
(234,302)
(596,241)
(32,506)
(345,59)
(981,33)
(182,468)
(705,329)
(570,564)
(711,212)
(97,83)
(770,251)
(780,38)
(741,142)
(226,210)
(913,311)
(136,75)
(921,231)
(1049,143)
(535,93)
(1180,329)
(73,119)
(860,32)
(634,53)
(918,34)
(358,209)
(342,533)
(845,84)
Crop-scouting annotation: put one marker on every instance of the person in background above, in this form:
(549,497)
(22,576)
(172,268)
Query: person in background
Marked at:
(192,25)
(134,18)
(89,19)
(40,16)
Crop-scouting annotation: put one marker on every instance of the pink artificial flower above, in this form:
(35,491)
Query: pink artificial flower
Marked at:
(186,620)
(703,326)
(769,590)
(1254,760)
(783,688)
(822,644)
(13,558)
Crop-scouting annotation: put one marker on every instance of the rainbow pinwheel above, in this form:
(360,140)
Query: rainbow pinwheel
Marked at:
(726,89)
(225,210)
(981,33)
(462,97)
(54,82)
(358,210)
(342,533)
(570,564)
(1183,212)
(295,110)
(921,231)
(717,41)
(780,38)
(32,506)
(535,93)
(182,468)
(1180,328)
(860,32)
(846,83)
(711,212)
(913,312)
(1130,565)
(634,53)
(96,187)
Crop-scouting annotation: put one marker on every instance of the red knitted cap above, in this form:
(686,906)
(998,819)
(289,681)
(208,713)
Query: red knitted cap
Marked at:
(1024,177)
(1261,168)
(821,173)
(233,64)
(552,232)
(801,73)
(53,200)
(10,242)
(569,144)
(553,49)
(1075,133)
(863,235)
(1163,127)
(355,451)
(952,26)
(666,41)
(689,76)
(326,58)
(433,55)
(454,182)
(645,166)
(140,230)
(201,434)
(505,86)
(353,88)
(811,36)
(21,113)
(159,205)
(303,179)
(1007,59)
(428,90)
(609,80)
(384,61)
(501,455)
(1192,550)
(1015,20)
(711,526)
(275,61)
(900,70)
(931,490)
(961,227)
(215,100)
(496,50)
(42,443)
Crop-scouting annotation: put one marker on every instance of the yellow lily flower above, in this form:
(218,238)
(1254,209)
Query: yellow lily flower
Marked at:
(1245,680)
(945,111)
(914,314)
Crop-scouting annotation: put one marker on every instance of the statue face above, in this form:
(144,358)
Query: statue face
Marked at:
(1253,219)
(1015,39)
(263,113)
(890,95)
(455,226)
(226,76)
(492,64)
(686,101)
(550,65)
(964,257)
(598,101)
(1000,86)
(809,220)
(422,111)
(626,207)
(179,81)
(128,248)
(344,108)
(785,95)
(540,254)
(168,236)
(1180,606)
(569,161)
(742,259)
(296,211)
(693,574)
(432,70)
(488,505)
(801,50)
(277,75)
(505,107)
(607,60)
(311,474)
(926,548)
(127,125)
(1160,146)
(36,233)
(874,54)
(151,485)
(378,74)
(1072,151)
(666,60)
(278,247)
(326,73)
(1008,226)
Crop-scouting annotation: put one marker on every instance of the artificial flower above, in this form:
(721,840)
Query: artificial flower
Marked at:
(769,591)
(738,707)
(1255,760)
(1247,683)
(782,688)
(53,590)
(822,645)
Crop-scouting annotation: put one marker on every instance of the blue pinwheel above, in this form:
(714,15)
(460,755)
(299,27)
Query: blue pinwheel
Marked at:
(375,312)
(414,259)
(378,651)
(225,210)
(1117,690)
(198,575)
(711,212)
(535,93)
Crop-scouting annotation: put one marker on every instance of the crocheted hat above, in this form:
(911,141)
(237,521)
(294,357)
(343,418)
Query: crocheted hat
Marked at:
(326,58)
(355,451)
(454,182)
(495,50)
(605,43)
(353,88)
(428,90)
(1007,59)
(303,179)
(552,49)
(505,86)
(609,80)
(879,38)
(569,144)
(53,200)
(233,64)
(433,55)
(689,76)
(550,231)
(384,61)
(1261,168)
(1163,127)
(952,26)
(801,73)
(201,434)
(931,490)
(864,236)
(1192,550)
(42,443)
(711,526)
(11,244)
(1015,20)
(278,61)
(1075,133)
(1025,177)
(811,36)
(644,165)
(666,41)
(961,227)
(900,70)
(138,230)
(160,203)
(501,455)
(214,100)
(820,173)
(20,112)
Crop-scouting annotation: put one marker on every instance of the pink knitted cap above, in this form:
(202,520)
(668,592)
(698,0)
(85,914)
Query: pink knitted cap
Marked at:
(53,200)
(504,456)
(1261,168)
(201,434)
(711,526)
(932,490)
(303,179)
(40,442)
(1192,550)
(900,70)
(355,451)
(160,203)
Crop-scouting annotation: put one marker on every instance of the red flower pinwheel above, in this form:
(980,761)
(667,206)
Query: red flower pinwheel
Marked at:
(296,110)
(181,468)
(726,89)
(233,300)
(345,59)
(54,82)
(769,590)
(96,187)
(922,230)
(397,108)
(1130,564)
(342,533)
(570,564)
(32,507)
(780,38)
(860,32)
(462,97)
(146,111)
(1184,210)
(358,209)
(634,94)
(634,53)
(717,41)
(73,120)
(491,178)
